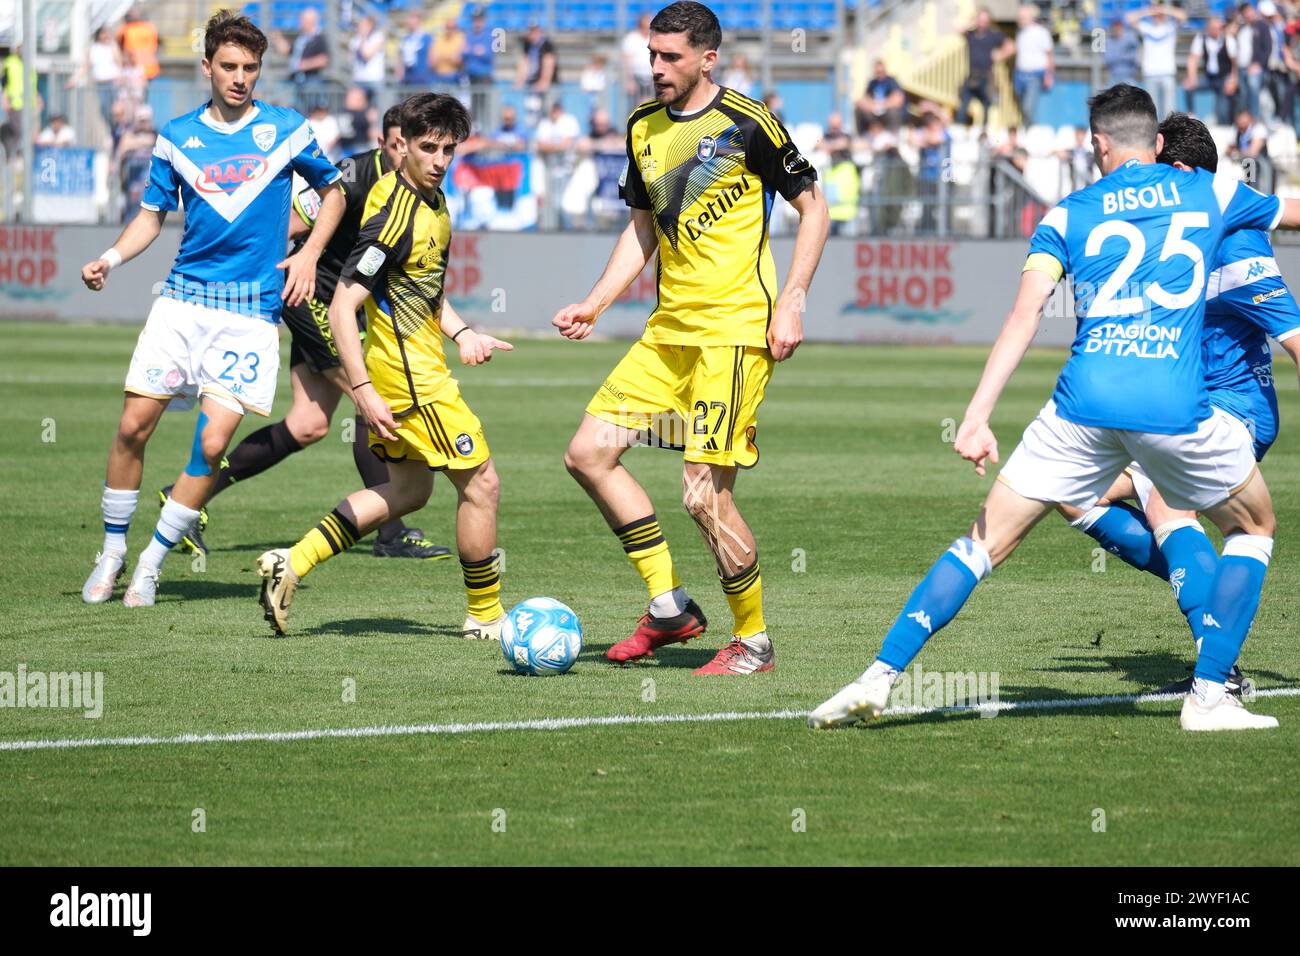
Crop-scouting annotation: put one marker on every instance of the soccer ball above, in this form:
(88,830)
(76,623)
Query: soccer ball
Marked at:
(541,636)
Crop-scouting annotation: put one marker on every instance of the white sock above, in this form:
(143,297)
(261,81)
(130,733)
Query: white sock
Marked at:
(669,604)
(879,668)
(1208,692)
(174,522)
(117,507)
(759,643)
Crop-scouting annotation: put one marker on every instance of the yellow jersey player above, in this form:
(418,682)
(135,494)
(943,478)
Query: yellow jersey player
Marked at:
(418,421)
(704,165)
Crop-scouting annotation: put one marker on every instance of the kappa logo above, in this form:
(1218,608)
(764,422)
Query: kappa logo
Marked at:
(707,149)
(923,619)
(264,136)
(1256,269)
(1176,579)
(153,375)
(523,621)
(193,143)
(1207,620)
(464,444)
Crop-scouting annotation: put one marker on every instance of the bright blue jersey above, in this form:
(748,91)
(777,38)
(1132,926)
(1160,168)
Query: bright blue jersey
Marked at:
(1246,302)
(1139,245)
(235,181)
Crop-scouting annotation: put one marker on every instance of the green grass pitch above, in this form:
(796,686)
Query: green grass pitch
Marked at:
(856,494)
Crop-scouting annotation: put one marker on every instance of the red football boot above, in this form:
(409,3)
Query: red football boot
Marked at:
(653,632)
(736,658)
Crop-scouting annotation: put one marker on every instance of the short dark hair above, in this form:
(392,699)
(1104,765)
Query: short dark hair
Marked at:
(698,22)
(1188,141)
(426,113)
(392,117)
(1126,114)
(226,26)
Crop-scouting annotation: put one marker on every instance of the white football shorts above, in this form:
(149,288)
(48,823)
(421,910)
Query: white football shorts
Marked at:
(187,350)
(1062,462)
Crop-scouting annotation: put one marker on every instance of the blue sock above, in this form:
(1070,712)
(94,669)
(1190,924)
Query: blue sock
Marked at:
(936,601)
(1123,530)
(1233,601)
(1192,563)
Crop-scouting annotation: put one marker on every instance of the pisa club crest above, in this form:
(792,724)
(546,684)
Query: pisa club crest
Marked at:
(707,149)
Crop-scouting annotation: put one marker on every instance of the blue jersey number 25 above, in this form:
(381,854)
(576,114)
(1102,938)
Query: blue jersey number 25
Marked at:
(1109,303)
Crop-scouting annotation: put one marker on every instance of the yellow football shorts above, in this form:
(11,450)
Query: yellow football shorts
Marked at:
(445,433)
(702,400)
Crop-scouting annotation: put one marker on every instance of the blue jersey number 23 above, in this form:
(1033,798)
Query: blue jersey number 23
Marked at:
(247,375)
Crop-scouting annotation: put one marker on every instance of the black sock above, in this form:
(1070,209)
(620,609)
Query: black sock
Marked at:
(374,472)
(259,451)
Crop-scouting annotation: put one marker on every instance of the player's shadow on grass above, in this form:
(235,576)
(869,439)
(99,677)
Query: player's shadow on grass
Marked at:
(198,588)
(670,656)
(380,627)
(1148,671)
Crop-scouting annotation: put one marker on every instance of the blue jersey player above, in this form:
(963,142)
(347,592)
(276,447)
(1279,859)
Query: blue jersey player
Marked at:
(1139,245)
(211,335)
(1246,303)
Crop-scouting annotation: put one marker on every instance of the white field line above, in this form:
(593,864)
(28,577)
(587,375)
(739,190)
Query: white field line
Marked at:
(570,723)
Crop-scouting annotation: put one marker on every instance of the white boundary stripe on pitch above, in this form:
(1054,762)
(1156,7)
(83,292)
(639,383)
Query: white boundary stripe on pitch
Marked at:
(571,723)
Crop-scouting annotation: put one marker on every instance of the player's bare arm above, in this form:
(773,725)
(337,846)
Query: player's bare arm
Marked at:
(1290,214)
(786,330)
(135,239)
(348,298)
(475,347)
(631,253)
(300,268)
(1292,346)
(975,440)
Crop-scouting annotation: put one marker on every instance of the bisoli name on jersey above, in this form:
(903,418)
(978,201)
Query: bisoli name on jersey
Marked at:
(1146,197)
(726,198)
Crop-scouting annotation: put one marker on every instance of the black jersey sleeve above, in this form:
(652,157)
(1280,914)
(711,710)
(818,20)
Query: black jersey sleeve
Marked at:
(631,187)
(771,155)
(384,241)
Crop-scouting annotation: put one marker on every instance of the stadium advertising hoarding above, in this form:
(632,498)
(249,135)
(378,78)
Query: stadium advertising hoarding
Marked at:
(868,290)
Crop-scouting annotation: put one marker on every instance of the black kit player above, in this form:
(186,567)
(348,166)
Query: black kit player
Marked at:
(314,364)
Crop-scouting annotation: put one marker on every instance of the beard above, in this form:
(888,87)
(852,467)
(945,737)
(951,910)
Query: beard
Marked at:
(684,93)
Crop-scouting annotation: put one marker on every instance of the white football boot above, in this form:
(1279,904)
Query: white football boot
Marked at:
(864,699)
(475,630)
(109,566)
(1227,714)
(143,588)
(278,584)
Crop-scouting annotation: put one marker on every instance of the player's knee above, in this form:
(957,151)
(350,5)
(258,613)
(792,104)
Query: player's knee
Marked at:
(485,489)
(579,459)
(308,429)
(213,445)
(133,432)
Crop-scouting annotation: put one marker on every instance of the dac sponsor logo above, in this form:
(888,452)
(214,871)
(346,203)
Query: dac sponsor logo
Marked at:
(227,175)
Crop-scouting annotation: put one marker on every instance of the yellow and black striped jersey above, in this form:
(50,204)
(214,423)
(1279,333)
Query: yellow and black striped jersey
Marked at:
(400,255)
(710,178)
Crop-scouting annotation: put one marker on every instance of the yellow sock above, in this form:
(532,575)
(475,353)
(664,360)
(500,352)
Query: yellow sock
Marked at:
(483,588)
(333,535)
(745,595)
(648,551)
